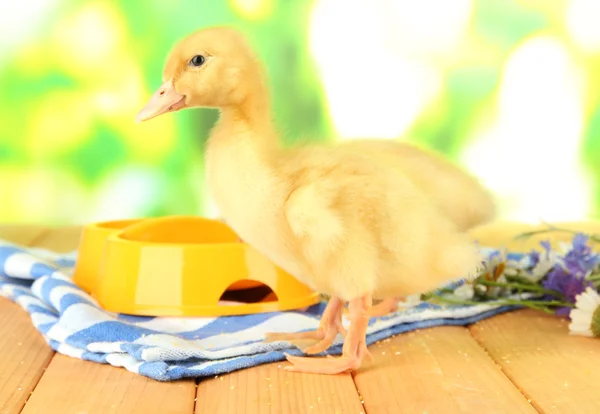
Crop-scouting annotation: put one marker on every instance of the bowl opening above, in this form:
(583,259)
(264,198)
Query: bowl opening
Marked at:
(256,294)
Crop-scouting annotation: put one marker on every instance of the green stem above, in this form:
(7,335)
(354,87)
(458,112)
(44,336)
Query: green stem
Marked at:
(523,286)
(539,302)
(534,304)
(456,302)
(593,278)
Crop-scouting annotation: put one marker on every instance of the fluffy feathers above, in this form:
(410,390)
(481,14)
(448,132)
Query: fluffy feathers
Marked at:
(357,221)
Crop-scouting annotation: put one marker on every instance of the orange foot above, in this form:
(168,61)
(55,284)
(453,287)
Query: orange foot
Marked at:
(317,341)
(353,352)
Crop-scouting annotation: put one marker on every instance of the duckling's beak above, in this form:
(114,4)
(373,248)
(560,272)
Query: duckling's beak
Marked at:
(165,99)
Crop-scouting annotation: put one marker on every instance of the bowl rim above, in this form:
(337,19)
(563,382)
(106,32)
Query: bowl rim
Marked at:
(117,238)
(104,225)
(117,232)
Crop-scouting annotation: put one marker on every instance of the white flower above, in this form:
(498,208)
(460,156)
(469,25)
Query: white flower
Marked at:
(464,291)
(565,247)
(585,317)
(542,268)
(523,263)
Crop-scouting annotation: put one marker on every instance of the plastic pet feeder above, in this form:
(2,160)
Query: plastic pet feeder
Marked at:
(182,266)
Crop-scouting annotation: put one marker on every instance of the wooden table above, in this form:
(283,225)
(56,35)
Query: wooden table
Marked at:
(519,362)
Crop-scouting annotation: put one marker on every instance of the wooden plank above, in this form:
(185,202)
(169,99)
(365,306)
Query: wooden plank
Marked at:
(556,371)
(74,386)
(23,352)
(23,357)
(437,370)
(62,239)
(24,235)
(270,389)
(70,385)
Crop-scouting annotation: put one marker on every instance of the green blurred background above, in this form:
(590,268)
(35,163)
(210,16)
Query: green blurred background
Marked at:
(507,88)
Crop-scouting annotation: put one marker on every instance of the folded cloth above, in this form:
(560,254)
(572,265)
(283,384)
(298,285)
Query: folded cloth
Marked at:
(170,348)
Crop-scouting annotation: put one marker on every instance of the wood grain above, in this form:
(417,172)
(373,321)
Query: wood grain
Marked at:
(270,389)
(62,239)
(23,235)
(71,386)
(23,357)
(437,370)
(558,372)
(23,352)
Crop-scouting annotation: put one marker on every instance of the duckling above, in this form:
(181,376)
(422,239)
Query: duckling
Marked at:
(337,219)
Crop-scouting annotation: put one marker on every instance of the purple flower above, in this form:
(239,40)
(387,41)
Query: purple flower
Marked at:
(570,285)
(534,257)
(569,278)
(546,245)
(580,260)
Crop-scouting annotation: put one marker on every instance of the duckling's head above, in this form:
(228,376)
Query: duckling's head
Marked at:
(212,67)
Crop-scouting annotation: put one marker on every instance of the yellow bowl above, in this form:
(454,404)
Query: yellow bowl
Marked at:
(191,266)
(91,246)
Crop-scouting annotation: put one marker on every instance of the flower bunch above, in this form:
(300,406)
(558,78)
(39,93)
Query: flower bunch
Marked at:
(564,283)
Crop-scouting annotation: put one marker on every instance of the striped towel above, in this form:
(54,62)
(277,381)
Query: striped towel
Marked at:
(170,348)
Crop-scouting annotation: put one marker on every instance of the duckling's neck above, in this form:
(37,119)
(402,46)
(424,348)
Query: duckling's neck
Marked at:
(248,128)
(242,154)
(241,169)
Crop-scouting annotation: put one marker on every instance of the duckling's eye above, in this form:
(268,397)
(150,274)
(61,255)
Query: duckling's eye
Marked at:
(197,60)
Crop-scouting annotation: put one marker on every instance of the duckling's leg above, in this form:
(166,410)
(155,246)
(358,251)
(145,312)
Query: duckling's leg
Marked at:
(383,308)
(330,325)
(354,350)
